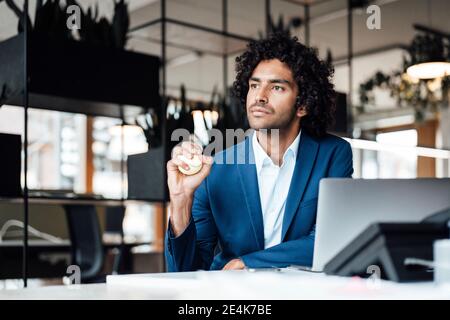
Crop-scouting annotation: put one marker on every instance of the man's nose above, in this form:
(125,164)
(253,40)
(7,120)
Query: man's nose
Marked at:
(261,97)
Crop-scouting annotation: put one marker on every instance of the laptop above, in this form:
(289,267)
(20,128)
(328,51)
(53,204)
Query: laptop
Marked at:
(346,207)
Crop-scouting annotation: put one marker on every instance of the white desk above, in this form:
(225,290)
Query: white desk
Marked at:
(238,285)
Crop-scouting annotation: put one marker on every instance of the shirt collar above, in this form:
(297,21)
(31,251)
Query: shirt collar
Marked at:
(261,157)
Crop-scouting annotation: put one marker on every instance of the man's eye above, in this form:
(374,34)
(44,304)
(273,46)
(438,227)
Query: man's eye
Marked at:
(253,85)
(278,88)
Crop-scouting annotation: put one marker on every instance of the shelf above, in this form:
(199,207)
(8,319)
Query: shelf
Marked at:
(83,201)
(48,259)
(73,76)
(308,2)
(87,107)
(65,244)
(187,36)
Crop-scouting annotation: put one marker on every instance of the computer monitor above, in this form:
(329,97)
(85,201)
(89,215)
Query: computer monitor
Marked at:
(346,207)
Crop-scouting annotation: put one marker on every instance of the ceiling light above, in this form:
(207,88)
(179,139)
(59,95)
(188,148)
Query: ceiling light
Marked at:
(429,70)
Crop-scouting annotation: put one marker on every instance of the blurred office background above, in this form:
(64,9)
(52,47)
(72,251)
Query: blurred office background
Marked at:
(399,125)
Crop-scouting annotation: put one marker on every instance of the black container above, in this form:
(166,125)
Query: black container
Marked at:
(10,163)
(74,76)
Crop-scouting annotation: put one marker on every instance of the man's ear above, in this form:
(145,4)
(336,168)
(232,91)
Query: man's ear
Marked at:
(301,112)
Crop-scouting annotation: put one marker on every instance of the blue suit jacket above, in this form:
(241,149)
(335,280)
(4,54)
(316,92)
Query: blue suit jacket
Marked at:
(227,212)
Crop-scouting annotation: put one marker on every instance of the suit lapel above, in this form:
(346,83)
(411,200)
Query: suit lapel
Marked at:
(249,184)
(306,156)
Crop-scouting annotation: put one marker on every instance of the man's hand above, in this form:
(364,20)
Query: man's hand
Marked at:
(182,187)
(235,264)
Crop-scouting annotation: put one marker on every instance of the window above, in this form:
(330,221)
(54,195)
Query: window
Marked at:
(386,161)
(57,158)
(56,144)
(108,148)
(398,164)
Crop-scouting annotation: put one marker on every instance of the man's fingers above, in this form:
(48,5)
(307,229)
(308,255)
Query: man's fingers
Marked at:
(188,149)
(177,162)
(176,151)
(172,165)
(231,265)
(192,148)
(185,150)
(235,264)
(207,160)
(187,153)
(191,145)
(206,167)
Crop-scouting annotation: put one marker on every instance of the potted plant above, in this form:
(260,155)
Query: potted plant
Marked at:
(87,71)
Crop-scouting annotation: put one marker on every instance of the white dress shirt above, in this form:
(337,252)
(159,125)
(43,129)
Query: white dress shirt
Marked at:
(273,183)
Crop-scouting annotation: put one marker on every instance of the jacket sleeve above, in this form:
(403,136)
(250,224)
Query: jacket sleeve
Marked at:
(293,252)
(300,251)
(342,163)
(194,248)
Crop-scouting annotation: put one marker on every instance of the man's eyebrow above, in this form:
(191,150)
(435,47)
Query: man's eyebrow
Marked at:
(280,81)
(272,80)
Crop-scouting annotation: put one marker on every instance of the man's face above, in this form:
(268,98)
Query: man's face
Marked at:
(271,96)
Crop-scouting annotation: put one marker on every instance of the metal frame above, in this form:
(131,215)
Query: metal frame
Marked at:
(25,142)
(307,25)
(163,116)
(164,20)
(225,56)
(191,26)
(350,59)
(224,33)
(307,2)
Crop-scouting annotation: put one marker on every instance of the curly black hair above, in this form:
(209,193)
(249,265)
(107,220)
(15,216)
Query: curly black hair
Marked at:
(313,77)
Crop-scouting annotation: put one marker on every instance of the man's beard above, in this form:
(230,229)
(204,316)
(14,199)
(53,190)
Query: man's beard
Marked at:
(281,122)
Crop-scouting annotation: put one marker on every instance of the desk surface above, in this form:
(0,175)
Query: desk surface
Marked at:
(284,285)
(109,244)
(75,201)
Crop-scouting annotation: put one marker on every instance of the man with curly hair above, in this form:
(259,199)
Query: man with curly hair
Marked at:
(260,213)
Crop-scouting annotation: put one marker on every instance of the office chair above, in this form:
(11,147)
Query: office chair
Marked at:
(86,241)
(114,225)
